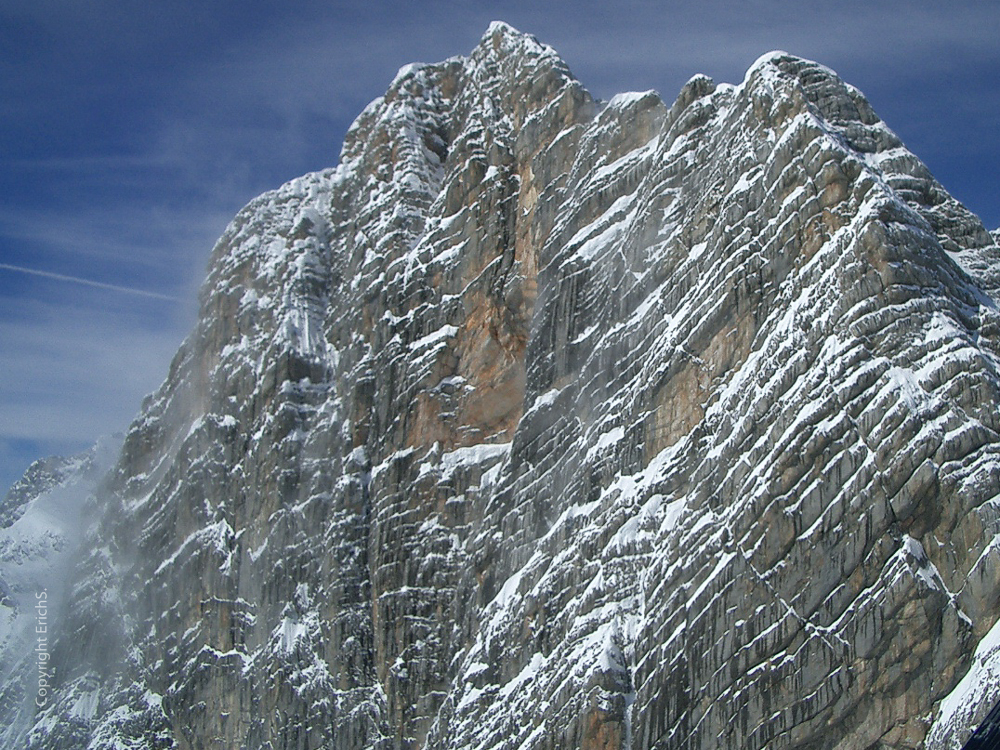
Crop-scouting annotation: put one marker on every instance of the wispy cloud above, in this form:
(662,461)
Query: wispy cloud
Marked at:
(77,367)
(90,283)
(869,40)
(136,235)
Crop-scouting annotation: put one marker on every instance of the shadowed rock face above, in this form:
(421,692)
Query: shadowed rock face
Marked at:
(545,423)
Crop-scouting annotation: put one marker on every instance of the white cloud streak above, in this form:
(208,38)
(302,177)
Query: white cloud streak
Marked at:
(90,283)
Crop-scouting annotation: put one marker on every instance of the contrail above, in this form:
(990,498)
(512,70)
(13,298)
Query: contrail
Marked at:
(88,282)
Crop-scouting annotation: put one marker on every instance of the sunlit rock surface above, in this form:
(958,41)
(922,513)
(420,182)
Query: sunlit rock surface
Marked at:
(542,422)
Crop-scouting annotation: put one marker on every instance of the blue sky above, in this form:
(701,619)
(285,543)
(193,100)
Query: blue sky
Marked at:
(131,132)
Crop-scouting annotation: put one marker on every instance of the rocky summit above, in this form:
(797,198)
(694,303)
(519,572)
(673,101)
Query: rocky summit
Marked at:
(545,422)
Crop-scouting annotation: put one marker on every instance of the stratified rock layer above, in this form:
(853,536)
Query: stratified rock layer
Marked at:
(547,423)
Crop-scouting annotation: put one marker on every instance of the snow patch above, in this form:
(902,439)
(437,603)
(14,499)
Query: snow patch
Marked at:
(957,711)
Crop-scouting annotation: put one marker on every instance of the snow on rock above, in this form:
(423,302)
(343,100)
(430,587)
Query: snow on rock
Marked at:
(43,516)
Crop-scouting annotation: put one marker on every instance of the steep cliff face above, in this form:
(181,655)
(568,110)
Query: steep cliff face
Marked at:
(542,422)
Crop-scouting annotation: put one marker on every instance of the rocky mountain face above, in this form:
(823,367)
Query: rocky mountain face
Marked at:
(543,422)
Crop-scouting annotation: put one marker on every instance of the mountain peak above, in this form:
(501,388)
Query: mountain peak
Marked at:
(502,40)
(501,33)
(502,28)
(769,58)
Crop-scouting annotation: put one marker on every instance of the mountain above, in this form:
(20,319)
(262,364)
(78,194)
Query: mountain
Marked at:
(544,422)
(40,521)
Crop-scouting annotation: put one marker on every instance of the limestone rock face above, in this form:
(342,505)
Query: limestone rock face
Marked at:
(541,422)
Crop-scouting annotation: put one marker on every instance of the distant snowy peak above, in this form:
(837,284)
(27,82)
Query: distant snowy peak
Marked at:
(43,518)
(43,475)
